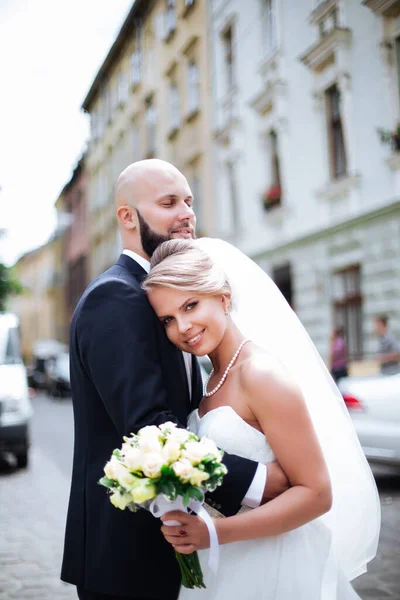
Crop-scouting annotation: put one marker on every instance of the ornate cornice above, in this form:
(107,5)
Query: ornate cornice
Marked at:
(384,8)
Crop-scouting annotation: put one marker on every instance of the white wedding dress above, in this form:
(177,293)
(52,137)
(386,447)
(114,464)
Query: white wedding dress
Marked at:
(298,565)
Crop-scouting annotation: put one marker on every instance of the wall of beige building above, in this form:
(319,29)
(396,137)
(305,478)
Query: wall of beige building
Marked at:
(41,308)
(151,98)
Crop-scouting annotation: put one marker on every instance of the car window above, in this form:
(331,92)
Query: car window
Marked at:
(12,354)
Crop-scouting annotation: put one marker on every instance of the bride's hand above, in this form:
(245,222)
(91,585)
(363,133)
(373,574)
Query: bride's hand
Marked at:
(189,536)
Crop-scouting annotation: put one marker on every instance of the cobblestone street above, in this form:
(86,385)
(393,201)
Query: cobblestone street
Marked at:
(33,507)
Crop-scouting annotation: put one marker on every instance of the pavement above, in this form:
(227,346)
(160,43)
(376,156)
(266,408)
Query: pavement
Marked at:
(33,508)
(34,502)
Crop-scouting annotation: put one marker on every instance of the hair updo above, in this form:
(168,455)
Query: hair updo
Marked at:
(183,265)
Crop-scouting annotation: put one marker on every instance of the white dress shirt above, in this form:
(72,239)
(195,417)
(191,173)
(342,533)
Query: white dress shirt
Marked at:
(255,492)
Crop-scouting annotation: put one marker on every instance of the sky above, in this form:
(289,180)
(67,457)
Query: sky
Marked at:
(50,52)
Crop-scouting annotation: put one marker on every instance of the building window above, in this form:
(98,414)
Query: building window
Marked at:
(122,90)
(273,194)
(233,196)
(136,62)
(114,98)
(282,276)
(197,204)
(94,125)
(77,282)
(227,39)
(338,163)
(193,87)
(108,104)
(347,307)
(397,50)
(269,25)
(151,124)
(134,153)
(174,106)
(170,18)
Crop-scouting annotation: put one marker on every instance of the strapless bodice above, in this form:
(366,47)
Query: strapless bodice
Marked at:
(231,433)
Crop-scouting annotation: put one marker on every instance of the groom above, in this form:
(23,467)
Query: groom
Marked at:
(125,374)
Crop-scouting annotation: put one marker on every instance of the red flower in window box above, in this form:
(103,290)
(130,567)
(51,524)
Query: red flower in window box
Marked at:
(391,137)
(272,196)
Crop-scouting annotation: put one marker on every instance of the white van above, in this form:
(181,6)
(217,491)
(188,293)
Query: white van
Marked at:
(15,405)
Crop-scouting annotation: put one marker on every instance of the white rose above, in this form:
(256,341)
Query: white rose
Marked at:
(119,500)
(125,448)
(134,459)
(110,467)
(152,463)
(123,476)
(194,452)
(197,477)
(171,451)
(149,439)
(210,447)
(179,435)
(169,425)
(182,469)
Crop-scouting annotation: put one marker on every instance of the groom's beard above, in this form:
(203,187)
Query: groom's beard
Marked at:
(149,238)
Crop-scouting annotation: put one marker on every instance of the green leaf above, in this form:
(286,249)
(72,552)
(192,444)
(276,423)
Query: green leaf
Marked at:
(117,453)
(186,497)
(168,489)
(197,494)
(165,470)
(108,483)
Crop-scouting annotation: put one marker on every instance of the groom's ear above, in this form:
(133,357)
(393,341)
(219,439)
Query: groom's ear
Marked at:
(127,216)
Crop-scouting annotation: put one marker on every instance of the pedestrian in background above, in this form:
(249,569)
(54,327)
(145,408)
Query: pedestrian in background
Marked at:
(338,354)
(389,347)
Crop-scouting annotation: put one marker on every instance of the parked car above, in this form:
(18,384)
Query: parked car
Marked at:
(59,383)
(374,406)
(15,405)
(44,354)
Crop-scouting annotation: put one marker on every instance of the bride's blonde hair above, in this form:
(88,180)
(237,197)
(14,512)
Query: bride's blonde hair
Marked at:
(183,265)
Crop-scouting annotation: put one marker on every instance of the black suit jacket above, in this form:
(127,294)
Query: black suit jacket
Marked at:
(125,374)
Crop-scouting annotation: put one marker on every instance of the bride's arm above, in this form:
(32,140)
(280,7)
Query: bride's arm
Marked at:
(280,410)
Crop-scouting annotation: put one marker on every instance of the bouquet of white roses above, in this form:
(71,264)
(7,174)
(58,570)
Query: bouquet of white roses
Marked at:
(165,466)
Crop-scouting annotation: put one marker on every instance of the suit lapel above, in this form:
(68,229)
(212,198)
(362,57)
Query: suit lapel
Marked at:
(169,352)
(197,383)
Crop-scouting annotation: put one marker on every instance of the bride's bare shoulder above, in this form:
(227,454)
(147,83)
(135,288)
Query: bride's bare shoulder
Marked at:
(262,371)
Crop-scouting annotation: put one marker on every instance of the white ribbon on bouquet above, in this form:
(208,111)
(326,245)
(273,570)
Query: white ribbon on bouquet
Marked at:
(161,505)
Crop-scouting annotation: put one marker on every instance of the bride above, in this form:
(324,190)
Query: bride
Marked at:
(269,397)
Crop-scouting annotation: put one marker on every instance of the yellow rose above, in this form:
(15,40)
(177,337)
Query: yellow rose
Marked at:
(119,500)
(197,477)
(143,490)
(124,478)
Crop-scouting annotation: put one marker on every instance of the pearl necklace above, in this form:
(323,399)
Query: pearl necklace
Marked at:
(225,375)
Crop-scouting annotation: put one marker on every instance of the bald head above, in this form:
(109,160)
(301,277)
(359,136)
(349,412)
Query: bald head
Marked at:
(153,203)
(142,177)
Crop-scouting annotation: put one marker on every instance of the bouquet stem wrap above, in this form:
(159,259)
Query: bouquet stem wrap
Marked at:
(191,575)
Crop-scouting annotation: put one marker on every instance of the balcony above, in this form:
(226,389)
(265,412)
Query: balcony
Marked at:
(322,11)
(324,51)
(384,8)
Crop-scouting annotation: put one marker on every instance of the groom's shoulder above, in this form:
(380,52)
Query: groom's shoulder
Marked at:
(113,283)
